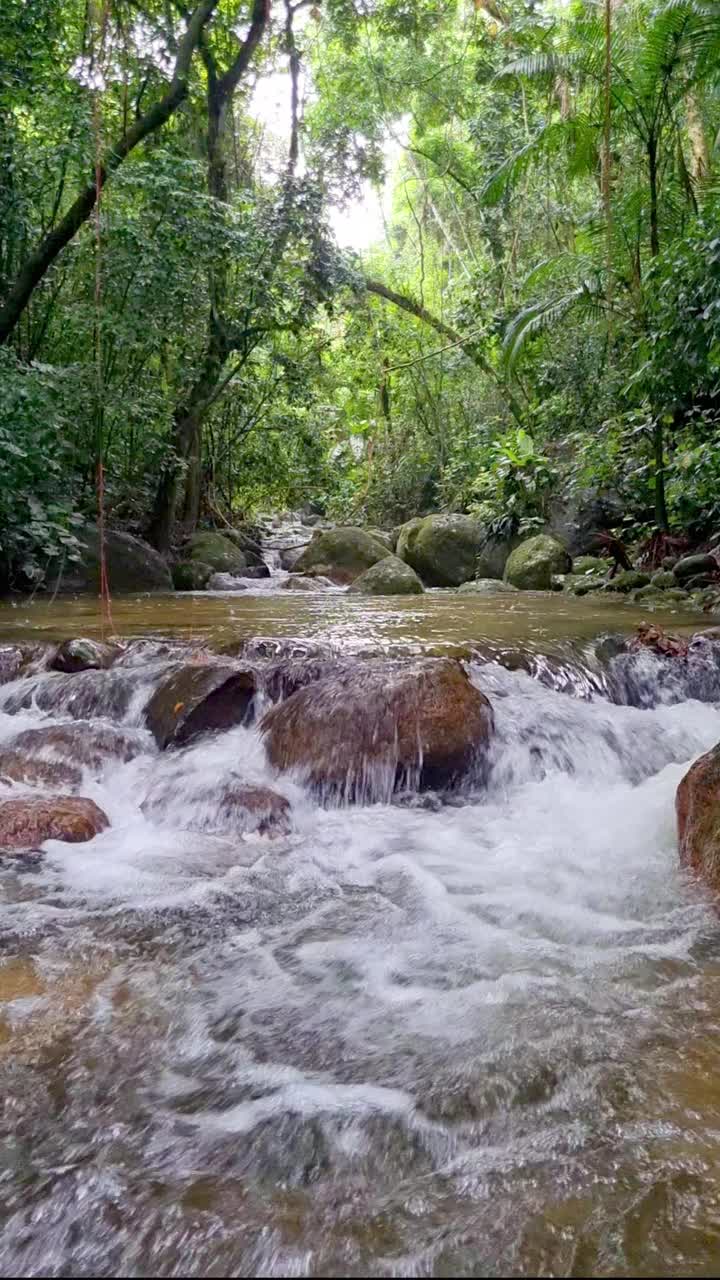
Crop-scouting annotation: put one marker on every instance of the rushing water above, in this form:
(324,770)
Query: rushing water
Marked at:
(475,1038)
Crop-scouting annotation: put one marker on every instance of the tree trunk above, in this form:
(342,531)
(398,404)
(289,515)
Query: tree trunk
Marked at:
(188,417)
(661,515)
(38,263)
(185,432)
(653,176)
(699,148)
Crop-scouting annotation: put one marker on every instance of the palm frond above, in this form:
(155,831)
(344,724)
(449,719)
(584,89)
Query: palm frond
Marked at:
(541,316)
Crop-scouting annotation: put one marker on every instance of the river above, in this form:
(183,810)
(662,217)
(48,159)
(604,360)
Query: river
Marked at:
(473,1038)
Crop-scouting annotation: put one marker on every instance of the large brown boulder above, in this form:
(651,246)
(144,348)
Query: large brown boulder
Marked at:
(197,699)
(362,733)
(697,804)
(27,822)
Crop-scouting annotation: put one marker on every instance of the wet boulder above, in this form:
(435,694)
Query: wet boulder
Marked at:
(494,554)
(487,587)
(199,698)
(389,577)
(340,554)
(81,654)
(692,566)
(229,807)
(298,582)
(84,695)
(576,517)
(226,582)
(18,766)
(257,572)
(25,823)
(217,551)
(363,732)
(132,565)
(442,549)
(11,662)
(83,745)
(697,805)
(248,539)
(191,575)
(532,564)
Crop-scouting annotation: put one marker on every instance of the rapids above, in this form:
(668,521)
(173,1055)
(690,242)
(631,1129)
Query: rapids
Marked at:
(466,1038)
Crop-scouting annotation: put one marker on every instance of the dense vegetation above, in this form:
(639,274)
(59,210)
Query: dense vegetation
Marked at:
(541,315)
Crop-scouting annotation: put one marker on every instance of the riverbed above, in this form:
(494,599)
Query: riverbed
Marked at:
(464,1036)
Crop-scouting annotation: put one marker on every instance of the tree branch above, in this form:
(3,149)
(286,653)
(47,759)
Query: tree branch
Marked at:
(420,312)
(51,246)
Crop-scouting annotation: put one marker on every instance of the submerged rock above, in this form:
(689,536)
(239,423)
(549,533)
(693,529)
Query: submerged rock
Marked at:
(341,554)
(17,766)
(531,565)
(84,695)
(191,575)
(216,550)
(230,807)
(442,549)
(199,698)
(226,582)
(487,587)
(84,655)
(697,805)
(89,746)
(27,822)
(389,577)
(297,582)
(361,733)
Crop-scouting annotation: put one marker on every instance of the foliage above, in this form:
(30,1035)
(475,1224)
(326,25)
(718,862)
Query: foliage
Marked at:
(542,349)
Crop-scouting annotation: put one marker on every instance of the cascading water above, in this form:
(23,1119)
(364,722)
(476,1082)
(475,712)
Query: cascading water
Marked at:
(421,1038)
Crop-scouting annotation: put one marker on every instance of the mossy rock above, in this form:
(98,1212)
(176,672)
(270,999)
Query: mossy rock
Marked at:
(388,540)
(531,566)
(589,564)
(217,551)
(586,586)
(677,595)
(628,580)
(341,554)
(389,577)
(663,579)
(191,575)
(442,549)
